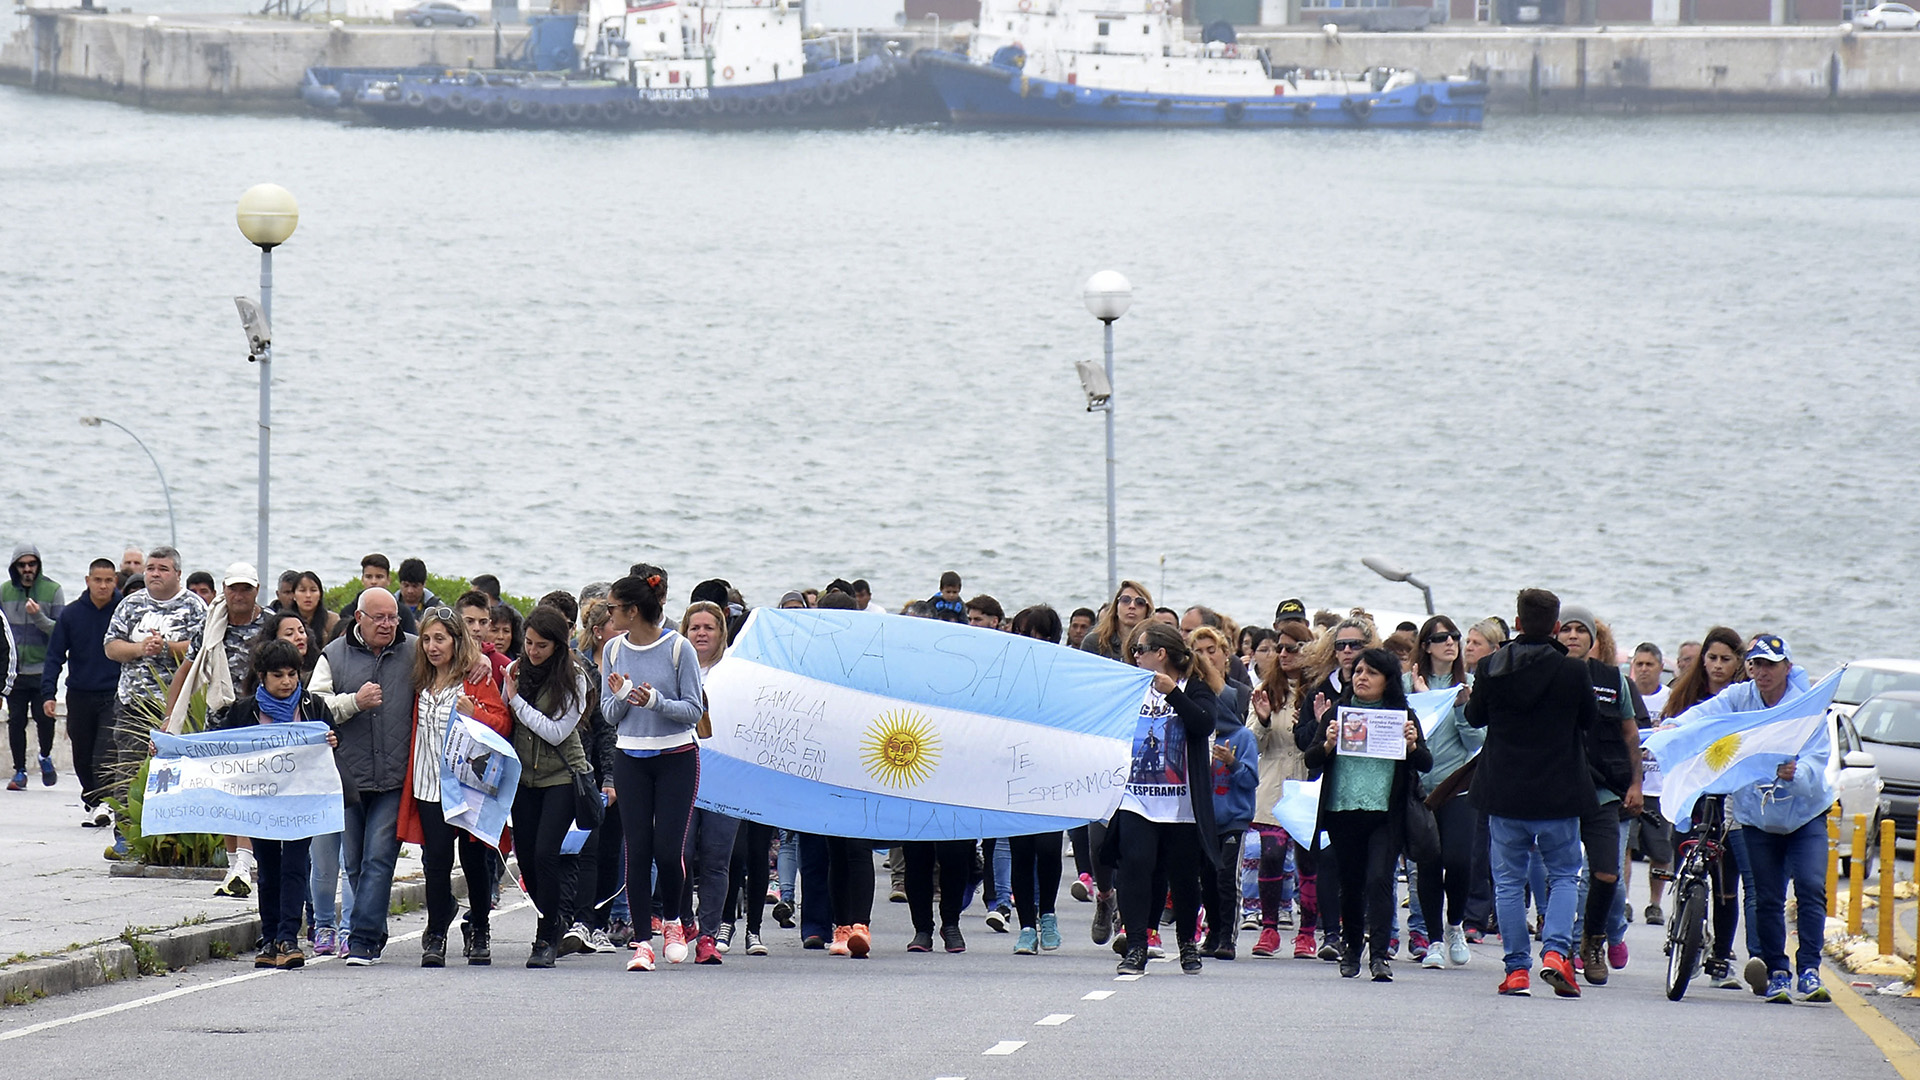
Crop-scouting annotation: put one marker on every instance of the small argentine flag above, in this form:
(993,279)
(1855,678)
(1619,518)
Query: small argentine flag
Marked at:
(1727,753)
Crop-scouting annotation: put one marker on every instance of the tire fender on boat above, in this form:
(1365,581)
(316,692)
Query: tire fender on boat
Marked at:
(416,99)
(436,105)
(1358,108)
(456,100)
(516,106)
(575,112)
(391,93)
(1235,111)
(496,110)
(1426,105)
(476,108)
(727,73)
(1063,97)
(1302,108)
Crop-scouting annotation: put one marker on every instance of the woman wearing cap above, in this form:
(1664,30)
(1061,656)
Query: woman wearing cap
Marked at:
(1362,800)
(1438,665)
(1784,835)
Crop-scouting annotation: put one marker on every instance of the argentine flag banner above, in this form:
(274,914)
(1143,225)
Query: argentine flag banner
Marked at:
(267,781)
(1432,706)
(848,723)
(1722,754)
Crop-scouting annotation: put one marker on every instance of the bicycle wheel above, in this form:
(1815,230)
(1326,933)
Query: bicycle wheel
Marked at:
(1686,935)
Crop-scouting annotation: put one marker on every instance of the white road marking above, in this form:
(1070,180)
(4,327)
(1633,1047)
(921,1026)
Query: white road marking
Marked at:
(1003,1048)
(183,991)
(1128,978)
(1053,1020)
(1098,995)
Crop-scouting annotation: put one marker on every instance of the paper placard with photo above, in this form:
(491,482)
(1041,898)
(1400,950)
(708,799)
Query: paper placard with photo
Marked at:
(1375,733)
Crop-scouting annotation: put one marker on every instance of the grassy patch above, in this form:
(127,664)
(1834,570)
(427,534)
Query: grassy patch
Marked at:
(218,949)
(21,995)
(145,957)
(446,588)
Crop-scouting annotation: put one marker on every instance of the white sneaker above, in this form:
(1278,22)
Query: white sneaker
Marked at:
(575,940)
(1433,959)
(1457,952)
(90,819)
(599,942)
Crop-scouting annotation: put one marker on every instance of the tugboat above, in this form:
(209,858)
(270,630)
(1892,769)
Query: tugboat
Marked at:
(1127,63)
(689,63)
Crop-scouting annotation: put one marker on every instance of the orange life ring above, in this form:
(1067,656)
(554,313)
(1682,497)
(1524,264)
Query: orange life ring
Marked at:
(1026,5)
(726,73)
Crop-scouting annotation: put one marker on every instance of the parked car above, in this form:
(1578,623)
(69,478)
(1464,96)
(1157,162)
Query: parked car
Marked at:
(439,13)
(1864,679)
(1888,17)
(1890,725)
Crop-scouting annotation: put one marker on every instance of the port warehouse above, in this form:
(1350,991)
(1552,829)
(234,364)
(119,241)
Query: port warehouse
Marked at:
(1591,13)
(234,62)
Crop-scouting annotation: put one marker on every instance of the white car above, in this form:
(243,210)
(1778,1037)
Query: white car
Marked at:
(1868,678)
(1855,776)
(1888,17)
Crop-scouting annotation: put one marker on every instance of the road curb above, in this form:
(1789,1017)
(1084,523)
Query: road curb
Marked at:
(177,947)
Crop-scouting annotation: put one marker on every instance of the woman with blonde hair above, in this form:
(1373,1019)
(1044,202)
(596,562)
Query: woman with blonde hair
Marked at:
(1330,666)
(709,850)
(1125,612)
(1276,705)
(444,658)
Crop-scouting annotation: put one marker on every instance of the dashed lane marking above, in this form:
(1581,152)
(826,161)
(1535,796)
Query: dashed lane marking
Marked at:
(1128,978)
(1098,995)
(1053,1020)
(1003,1048)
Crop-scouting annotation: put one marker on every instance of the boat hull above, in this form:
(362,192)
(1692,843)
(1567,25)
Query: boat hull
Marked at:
(993,94)
(855,93)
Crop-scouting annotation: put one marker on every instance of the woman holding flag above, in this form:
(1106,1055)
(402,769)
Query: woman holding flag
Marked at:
(443,666)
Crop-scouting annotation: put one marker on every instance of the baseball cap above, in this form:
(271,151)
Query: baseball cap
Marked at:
(1290,608)
(1769,647)
(241,574)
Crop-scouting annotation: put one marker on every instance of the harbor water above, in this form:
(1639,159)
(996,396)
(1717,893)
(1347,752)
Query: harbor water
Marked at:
(1664,366)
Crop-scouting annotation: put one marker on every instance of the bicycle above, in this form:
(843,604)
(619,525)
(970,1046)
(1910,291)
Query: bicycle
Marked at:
(1690,930)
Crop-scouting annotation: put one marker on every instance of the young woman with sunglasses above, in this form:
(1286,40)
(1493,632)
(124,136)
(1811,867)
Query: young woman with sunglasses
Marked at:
(444,658)
(1443,882)
(548,694)
(1164,827)
(651,688)
(1362,802)
(1131,606)
(1276,706)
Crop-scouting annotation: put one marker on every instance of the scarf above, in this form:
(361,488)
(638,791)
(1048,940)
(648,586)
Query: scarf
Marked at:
(275,710)
(209,670)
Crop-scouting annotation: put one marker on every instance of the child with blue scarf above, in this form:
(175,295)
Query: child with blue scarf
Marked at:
(278,698)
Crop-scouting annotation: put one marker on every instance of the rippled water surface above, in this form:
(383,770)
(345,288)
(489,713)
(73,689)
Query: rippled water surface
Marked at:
(1665,366)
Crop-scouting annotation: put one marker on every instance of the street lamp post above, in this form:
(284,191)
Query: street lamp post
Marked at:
(173,530)
(1108,295)
(1393,573)
(267,215)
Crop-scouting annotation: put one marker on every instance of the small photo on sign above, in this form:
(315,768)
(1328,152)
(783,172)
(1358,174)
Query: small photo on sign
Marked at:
(1375,733)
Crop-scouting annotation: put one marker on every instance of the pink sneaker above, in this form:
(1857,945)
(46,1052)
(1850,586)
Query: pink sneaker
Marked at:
(642,957)
(323,941)
(1082,888)
(676,935)
(706,951)
(1269,942)
(1617,956)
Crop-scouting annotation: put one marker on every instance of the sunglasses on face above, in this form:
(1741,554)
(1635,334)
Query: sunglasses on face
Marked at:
(1142,650)
(1290,650)
(1131,601)
(1442,637)
(1349,646)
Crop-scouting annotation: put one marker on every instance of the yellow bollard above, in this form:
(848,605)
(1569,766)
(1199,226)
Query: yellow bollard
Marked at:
(1833,859)
(1886,887)
(1856,874)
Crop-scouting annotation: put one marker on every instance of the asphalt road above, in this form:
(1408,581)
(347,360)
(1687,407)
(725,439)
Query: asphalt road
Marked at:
(797,1014)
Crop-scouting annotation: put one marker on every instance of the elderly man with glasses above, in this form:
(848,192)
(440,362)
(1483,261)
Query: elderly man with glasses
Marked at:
(365,676)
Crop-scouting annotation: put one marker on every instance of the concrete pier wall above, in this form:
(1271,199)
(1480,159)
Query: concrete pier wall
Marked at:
(219,62)
(1693,69)
(233,62)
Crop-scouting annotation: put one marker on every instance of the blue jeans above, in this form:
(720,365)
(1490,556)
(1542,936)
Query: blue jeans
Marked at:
(1749,890)
(283,887)
(326,879)
(1512,840)
(1799,856)
(787,863)
(371,845)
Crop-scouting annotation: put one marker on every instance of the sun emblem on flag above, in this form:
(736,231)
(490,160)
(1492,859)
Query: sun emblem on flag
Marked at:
(1721,752)
(901,748)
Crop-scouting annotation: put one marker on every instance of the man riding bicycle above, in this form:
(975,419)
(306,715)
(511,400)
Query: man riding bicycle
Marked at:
(1785,830)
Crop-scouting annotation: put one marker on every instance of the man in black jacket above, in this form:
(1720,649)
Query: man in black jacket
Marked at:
(1536,703)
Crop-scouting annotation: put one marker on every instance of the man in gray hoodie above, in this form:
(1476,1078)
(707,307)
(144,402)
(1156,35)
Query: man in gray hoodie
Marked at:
(32,603)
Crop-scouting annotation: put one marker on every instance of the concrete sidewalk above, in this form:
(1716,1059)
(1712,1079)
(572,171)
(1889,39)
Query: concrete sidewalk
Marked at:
(62,903)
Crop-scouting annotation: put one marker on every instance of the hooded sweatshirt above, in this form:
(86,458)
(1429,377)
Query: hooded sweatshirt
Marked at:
(31,633)
(1536,704)
(1234,788)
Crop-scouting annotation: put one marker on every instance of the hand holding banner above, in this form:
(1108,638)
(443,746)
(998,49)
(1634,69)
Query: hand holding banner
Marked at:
(479,776)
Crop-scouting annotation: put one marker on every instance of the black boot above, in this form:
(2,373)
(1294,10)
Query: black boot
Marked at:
(1350,963)
(1189,958)
(482,952)
(433,950)
(542,955)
